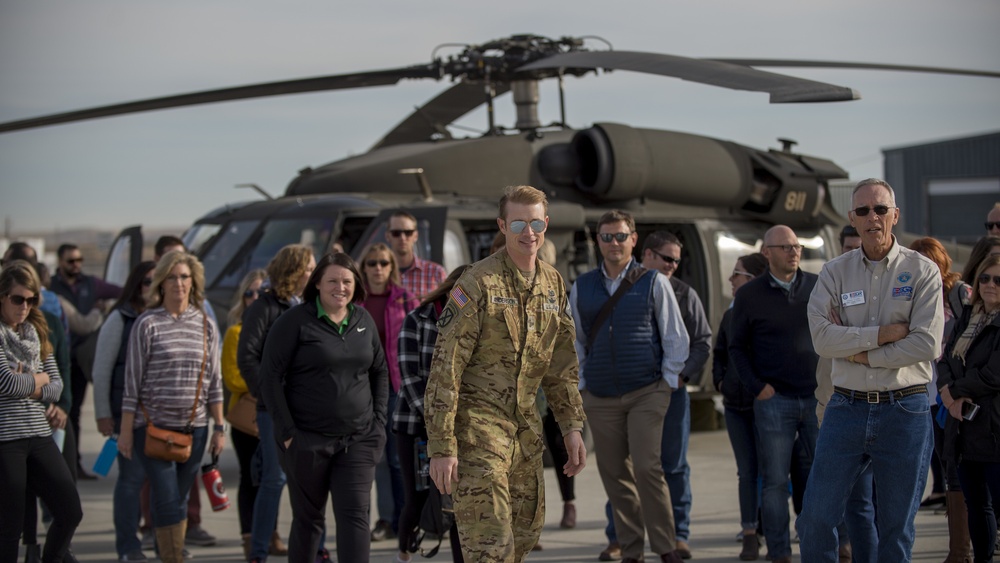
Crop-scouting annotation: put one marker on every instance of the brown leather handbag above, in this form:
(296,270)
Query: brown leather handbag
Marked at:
(243,415)
(171,445)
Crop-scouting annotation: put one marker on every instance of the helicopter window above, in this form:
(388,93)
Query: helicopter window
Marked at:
(454,250)
(197,236)
(312,232)
(218,255)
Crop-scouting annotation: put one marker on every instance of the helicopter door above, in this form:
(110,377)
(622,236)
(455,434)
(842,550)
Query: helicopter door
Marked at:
(125,254)
(430,226)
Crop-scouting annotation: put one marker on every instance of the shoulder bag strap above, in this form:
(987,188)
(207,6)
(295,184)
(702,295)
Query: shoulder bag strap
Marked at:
(631,277)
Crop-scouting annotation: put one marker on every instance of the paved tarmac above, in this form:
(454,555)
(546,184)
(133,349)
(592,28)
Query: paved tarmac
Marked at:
(714,525)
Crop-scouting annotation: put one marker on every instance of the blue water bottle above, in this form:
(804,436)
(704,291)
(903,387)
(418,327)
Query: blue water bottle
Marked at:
(107,456)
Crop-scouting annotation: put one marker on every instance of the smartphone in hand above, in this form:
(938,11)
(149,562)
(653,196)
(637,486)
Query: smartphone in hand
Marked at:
(969,411)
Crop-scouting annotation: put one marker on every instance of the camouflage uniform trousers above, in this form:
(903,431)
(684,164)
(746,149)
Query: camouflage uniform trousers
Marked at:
(499,504)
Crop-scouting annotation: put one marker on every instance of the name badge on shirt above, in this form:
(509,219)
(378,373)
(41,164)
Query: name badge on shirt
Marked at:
(497,300)
(852,298)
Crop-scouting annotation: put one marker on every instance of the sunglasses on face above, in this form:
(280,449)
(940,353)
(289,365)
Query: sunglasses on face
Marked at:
(178,278)
(537,226)
(620,237)
(373,263)
(74,260)
(787,247)
(251,293)
(879,210)
(665,258)
(400,232)
(983,280)
(19,300)
(740,273)
(990,225)
(146,282)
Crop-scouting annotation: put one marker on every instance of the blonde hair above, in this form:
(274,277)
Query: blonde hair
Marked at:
(526,195)
(987,263)
(394,276)
(167,263)
(238,304)
(19,272)
(287,267)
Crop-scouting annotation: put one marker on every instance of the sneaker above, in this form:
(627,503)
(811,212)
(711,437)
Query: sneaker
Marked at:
(611,553)
(383,531)
(136,556)
(196,535)
(323,556)
(186,554)
(149,539)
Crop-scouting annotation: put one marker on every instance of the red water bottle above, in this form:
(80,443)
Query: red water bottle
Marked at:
(212,479)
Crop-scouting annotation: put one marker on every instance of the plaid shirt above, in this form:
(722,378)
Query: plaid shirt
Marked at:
(423,277)
(416,348)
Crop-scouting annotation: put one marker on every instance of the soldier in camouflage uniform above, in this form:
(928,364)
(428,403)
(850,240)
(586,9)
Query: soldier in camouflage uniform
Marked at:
(505,331)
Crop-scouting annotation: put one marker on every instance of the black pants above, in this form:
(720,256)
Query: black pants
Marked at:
(556,445)
(31,498)
(245,446)
(36,464)
(78,384)
(319,466)
(413,500)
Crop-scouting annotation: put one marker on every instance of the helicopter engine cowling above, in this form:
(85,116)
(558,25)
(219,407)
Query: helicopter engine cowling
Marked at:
(617,162)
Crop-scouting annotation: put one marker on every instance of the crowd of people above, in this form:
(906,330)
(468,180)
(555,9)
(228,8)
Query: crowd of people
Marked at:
(841,389)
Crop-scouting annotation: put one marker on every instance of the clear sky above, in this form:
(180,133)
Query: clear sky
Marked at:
(167,168)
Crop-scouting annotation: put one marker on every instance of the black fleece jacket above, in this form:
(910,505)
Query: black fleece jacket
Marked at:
(314,379)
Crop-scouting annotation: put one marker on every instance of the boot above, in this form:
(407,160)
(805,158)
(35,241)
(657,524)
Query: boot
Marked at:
(247,544)
(959,544)
(170,541)
(32,553)
(277,547)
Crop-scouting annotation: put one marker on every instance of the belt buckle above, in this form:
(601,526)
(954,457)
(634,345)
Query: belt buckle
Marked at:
(872,397)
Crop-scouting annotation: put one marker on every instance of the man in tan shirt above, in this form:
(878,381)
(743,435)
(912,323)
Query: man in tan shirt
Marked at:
(878,314)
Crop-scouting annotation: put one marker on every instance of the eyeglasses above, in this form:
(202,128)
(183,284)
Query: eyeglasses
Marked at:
(990,225)
(740,273)
(537,225)
(179,278)
(608,237)
(251,293)
(19,300)
(788,247)
(373,263)
(665,258)
(983,280)
(146,282)
(74,260)
(400,232)
(879,210)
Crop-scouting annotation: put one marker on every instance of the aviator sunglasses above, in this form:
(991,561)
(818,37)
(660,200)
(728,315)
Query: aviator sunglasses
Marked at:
(18,300)
(983,280)
(878,209)
(517,227)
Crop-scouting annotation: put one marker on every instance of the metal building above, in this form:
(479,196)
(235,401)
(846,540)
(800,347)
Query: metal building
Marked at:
(945,188)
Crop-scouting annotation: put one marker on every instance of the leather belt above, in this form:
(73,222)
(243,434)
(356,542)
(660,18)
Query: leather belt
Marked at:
(874,397)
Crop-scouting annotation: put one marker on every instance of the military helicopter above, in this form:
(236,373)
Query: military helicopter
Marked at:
(717,196)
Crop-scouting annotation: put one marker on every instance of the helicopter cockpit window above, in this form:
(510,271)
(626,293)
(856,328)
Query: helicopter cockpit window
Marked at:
(197,236)
(226,245)
(732,244)
(312,232)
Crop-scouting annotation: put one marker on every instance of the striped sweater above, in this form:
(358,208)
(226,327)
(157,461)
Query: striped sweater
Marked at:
(21,416)
(162,366)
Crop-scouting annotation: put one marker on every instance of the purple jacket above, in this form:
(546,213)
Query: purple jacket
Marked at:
(398,305)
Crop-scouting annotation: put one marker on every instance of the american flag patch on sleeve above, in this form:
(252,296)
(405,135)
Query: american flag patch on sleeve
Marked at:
(461,299)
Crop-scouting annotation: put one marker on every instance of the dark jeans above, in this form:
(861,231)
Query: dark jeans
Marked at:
(557,446)
(981,487)
(941,467)
(673,456)
(78,385)
(319,466)
(36,464)
(388,481)
(31,500)
(414,500)
(170,482)
(245,445)
(743,438)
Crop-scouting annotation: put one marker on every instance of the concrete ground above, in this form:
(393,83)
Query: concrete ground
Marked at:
(714,524)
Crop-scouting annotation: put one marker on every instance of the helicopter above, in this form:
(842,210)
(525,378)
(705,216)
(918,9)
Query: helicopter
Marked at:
(717,196)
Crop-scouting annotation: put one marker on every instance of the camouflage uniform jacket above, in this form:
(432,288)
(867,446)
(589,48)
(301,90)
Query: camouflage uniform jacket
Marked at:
(500,339)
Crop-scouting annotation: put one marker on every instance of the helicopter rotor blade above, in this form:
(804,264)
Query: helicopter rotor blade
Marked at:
(782,88)
(434,116)
(280,88)
(790,63)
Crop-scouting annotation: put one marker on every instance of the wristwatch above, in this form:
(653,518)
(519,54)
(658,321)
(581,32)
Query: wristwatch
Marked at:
(219,428)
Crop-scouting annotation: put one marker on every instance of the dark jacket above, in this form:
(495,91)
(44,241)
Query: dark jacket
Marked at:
(60,349)
(316,380)
(735,395)
(129,315)
(699,332)
(257,321)
(979,380)
(770,339)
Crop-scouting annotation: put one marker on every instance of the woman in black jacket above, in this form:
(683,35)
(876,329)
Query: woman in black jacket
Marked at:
(969,378)
(738,402)
(326,385)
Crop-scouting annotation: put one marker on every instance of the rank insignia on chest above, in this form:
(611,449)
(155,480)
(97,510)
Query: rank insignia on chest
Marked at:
(552,296)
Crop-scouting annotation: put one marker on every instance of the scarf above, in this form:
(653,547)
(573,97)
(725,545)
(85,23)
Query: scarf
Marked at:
(979,319)
(22,348)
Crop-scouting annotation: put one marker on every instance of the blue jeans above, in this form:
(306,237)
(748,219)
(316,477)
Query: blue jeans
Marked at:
(125,506)
(272,482)
(859,518)
(743,437)
(170,482)
(896,437)
(780,420)
(388,478)
(673,455)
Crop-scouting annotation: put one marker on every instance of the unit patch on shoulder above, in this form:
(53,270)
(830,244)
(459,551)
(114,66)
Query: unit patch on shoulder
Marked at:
(459,297)
(446,316)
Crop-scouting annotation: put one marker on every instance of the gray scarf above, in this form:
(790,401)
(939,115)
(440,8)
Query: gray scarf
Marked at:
(22,348)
